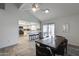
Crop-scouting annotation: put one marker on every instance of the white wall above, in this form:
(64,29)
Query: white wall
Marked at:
(8,26)
(73,32)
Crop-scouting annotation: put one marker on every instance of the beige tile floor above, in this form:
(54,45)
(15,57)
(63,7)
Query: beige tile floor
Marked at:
(24,47)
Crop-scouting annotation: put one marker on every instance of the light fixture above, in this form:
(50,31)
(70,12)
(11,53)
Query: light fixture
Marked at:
(46,11)
(35,7)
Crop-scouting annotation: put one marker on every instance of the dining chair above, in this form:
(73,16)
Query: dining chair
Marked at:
(42,50)
(62,48)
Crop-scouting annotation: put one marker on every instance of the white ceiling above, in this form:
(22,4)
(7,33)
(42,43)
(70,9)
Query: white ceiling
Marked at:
(56,10)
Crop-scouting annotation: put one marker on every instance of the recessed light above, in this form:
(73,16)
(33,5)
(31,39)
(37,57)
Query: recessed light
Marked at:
(46,11)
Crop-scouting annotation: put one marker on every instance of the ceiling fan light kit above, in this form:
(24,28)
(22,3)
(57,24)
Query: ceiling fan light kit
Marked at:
(35,7)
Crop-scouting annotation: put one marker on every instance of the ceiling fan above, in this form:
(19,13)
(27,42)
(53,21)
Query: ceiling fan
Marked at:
(35,7)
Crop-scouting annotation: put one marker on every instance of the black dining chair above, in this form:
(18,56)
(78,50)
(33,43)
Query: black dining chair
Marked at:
(65,43)
(40,35)
(62,48)
(42,50)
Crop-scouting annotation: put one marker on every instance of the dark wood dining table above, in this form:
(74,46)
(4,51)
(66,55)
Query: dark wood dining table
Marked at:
(53,43)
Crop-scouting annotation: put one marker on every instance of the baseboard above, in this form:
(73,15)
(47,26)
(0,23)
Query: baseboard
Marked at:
(8,46)
(73,45)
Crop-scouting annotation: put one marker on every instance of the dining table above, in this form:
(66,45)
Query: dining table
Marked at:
(52,42)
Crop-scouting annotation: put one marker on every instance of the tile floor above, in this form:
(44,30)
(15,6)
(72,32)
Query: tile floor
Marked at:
(24,47)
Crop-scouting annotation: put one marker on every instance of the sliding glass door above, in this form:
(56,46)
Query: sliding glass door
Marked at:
(48,30)
(45,31)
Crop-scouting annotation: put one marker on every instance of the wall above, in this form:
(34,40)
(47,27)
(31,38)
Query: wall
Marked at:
(8,26)
(73,32)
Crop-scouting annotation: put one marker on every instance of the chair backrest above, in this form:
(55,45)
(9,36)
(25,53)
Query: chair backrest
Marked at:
(40,35)
(65,41)
(42,50)
(62,47)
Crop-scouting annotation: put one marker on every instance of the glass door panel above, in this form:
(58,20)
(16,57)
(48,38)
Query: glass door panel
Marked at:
(48,30)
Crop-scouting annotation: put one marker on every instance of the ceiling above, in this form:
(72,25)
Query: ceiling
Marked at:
(56,10)
(18,5)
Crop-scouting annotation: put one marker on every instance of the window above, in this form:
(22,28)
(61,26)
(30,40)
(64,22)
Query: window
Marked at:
(48,30)
(45,30)
(33,27)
